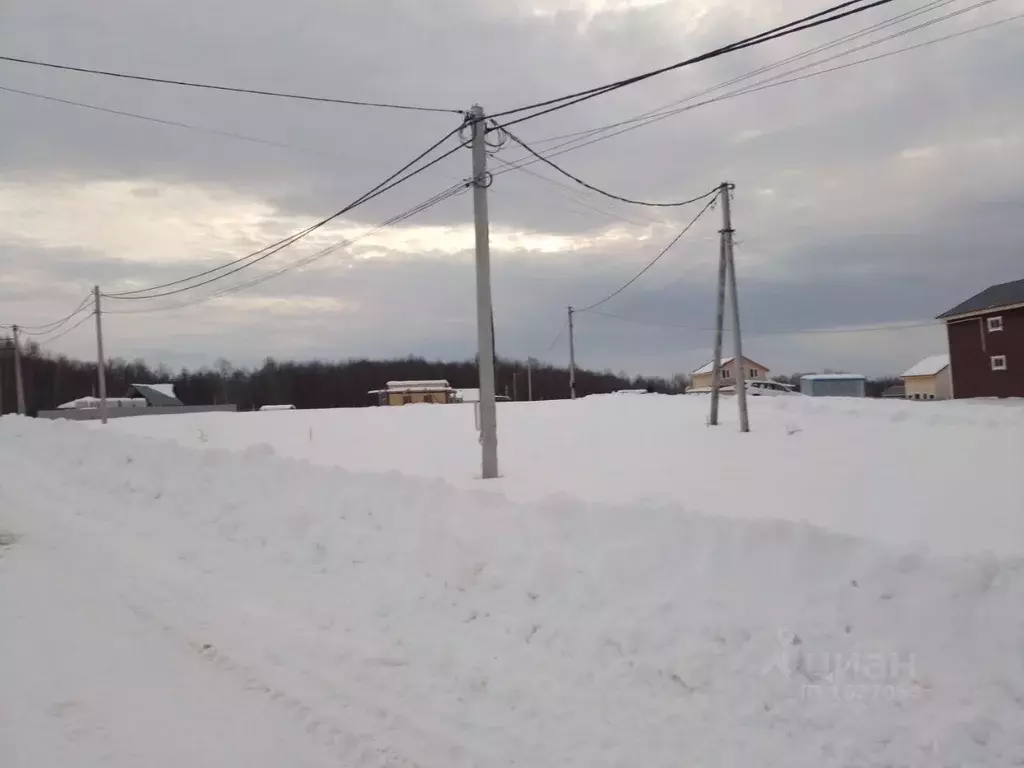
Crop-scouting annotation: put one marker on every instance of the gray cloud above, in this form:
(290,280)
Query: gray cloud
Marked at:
(884,193)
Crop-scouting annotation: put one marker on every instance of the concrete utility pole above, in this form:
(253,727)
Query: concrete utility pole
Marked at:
(484,315)
(716,371)
(572,358)
(19,383)
(730,263)
(101,368)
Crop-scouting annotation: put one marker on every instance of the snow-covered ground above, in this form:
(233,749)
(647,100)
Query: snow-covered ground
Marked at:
(940,473)
(275,604)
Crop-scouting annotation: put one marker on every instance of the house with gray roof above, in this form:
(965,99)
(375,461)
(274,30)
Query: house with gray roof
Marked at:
(986,342)
(156,395)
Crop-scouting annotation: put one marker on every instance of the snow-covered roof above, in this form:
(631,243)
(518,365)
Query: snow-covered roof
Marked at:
(425,384)
(709,367)
(81,402)
(833,377)
(630,391)
(929,366)
(277,407)
(157,394)
(163,389)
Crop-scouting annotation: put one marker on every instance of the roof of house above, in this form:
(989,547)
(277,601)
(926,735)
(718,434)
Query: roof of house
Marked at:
(283,407)
(156,394)
(993,297)
(423,385)
(709,366)
(833,377)
(929,366)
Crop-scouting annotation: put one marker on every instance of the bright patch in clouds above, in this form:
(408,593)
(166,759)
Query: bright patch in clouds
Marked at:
(177,224)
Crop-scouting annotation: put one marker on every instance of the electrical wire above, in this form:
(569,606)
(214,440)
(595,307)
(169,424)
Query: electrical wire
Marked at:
(654,261)
(558,337)
(798,331)
(573,196)
(640,122)
(162,121)
(249,260)
(785,30)
(66,331)
(752,89)
(305,261)
(45,328)
(592,188)
(211,87)
(796,57)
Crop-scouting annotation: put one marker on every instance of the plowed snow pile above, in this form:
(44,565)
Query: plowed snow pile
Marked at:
(170,605)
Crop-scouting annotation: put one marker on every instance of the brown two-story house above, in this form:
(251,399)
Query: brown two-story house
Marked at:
(986,342)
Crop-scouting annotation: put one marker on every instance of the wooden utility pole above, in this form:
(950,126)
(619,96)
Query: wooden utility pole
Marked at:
(101,367)
(572,358)
(737,336)
(716,370)
(484,313)
(19,383)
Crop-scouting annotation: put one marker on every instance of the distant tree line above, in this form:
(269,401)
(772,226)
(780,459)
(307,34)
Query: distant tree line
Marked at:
(52,380)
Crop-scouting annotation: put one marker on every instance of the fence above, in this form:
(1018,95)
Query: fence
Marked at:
(92,414)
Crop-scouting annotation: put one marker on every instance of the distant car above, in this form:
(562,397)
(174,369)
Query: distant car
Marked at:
(768,389)
(755,388)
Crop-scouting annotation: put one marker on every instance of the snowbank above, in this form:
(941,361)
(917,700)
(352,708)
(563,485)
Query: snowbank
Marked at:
(403,621)
(904,472)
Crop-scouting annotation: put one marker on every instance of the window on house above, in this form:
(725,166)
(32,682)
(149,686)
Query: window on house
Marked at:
(753,373)
(725,373)
(998,362)
(995,324)
(406,399)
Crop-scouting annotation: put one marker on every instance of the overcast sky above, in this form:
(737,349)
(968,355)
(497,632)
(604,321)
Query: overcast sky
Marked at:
(884,193)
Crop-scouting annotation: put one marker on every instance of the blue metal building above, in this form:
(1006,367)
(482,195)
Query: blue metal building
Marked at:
(833,385)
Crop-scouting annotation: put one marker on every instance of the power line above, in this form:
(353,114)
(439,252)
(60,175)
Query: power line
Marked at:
(650,118)
(574,196)
(558,337)
(306,260)
(45,328)
(798,331)
(657,114)
(796,57)
(592,188)
(271,142)
(599,90)
(264,253)
(231,89)
(66,331)
(785,30)
(654,261)
(162,121)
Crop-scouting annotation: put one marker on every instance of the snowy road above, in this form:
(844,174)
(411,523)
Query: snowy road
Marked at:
(166,605)
(97,680)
